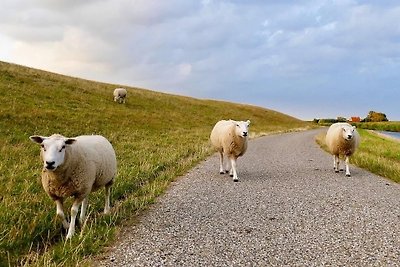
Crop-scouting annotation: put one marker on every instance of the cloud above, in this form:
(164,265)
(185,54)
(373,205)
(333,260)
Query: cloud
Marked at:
(273,53)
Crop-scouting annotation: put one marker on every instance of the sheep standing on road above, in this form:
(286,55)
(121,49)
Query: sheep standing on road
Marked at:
(229,137)
(120,95)
(76,167)
(342,139)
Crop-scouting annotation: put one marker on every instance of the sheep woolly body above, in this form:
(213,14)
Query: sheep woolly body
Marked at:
(89,163)
(225,139)
(339,146)
(120,95)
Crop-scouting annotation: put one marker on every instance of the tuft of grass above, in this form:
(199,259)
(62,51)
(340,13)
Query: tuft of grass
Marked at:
(376,154)
(157,137)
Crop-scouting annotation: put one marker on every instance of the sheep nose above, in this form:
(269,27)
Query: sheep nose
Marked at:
(349,136)
(244,133)
(49,164)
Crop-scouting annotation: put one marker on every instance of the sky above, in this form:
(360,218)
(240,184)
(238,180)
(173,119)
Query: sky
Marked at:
(308,59)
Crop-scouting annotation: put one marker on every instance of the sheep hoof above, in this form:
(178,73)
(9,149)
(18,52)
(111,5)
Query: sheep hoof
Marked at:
(236,180)
(221,172)
(226,171)
(336,171)
(231,175)
(341,170)
(348,175)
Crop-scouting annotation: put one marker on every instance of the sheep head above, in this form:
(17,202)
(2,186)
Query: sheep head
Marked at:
(52,149)
(348,132)
(242,128)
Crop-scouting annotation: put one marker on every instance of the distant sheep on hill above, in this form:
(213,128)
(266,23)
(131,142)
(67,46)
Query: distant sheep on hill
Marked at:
(342,139)
(76,167)
(120,95)
(229,137)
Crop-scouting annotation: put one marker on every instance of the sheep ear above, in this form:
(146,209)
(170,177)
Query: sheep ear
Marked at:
(248,122)
(37,139)
(70,141)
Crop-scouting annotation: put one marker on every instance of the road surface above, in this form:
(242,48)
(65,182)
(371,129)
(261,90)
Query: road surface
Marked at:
(288,209)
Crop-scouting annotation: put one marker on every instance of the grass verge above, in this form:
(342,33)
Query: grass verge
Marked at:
(391,126)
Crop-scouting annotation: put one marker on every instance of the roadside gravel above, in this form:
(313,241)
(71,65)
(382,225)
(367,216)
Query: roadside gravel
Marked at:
(288,209)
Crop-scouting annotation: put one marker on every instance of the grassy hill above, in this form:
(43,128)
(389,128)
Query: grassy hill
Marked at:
(157,137)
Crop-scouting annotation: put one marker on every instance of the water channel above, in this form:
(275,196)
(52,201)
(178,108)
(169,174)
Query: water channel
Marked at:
(391,134)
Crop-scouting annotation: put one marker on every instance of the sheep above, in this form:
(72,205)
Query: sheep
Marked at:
(342,139)
(76,167)
(229,137)
(120,95)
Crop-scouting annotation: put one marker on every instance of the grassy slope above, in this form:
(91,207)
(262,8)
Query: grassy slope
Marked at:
(157,137)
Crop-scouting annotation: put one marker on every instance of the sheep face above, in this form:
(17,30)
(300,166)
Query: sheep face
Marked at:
(348,132)
(52,150)
(242,128)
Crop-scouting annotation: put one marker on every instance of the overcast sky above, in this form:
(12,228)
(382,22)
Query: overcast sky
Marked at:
(308,59)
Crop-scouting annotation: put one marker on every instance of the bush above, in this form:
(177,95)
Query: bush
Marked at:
(375,117)
(327,121)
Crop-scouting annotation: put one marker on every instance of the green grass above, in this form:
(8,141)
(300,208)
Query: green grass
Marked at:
(376,154)
(157,137)
(391,126)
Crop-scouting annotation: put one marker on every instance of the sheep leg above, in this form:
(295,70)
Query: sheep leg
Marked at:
(233,170)
(228,167)
(107,200)
(60,213)
(74,212)
(336,163)
(83,210)
(347,167)
(221,163)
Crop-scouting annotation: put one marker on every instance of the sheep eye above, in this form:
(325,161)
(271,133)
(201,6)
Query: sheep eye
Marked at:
(63,147)
(237,125)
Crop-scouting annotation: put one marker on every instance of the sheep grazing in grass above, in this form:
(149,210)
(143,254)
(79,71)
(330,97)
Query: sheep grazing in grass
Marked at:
(229,137)
(76,167)
(120,95)
(342,139)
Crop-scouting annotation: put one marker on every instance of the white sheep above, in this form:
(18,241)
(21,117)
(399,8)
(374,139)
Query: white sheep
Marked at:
(342,139)
(76,167)
(229,137)
(120,95)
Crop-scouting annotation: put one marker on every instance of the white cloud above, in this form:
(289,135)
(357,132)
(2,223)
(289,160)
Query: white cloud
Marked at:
(282,50)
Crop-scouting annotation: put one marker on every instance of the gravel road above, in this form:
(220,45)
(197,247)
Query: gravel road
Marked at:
(288,209)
